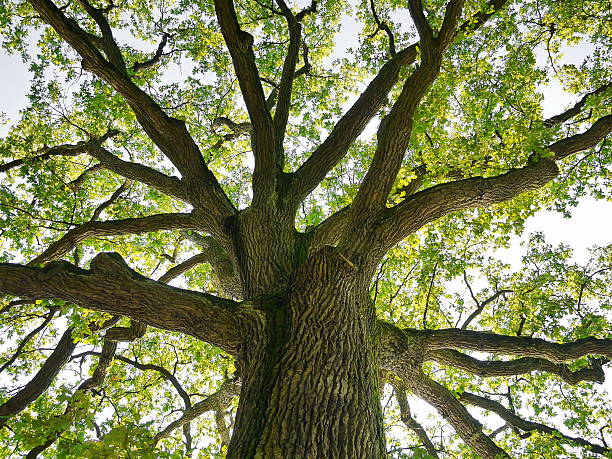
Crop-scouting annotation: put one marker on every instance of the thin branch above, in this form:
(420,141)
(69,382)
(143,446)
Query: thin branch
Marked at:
(27,338)
(141,225)
(410,422)
(159,53)
(529,426)
(217,401)
(576,109)
(60,150)
(382,25)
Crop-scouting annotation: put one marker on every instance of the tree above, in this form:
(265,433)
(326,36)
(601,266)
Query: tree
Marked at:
(324,265)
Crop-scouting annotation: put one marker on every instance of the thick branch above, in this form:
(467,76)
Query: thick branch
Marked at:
(468,428)
(348,128)
(171,186)
(495,368)
(240,45)
(283,103)
(148,224)
(111,286)
(454,338)
(528,426)
(579,142)
(169,134)
(43,379)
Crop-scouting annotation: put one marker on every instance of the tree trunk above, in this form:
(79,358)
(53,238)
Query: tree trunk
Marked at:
(310,385)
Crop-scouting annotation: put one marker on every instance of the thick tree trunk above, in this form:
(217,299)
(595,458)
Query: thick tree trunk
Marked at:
(310,385)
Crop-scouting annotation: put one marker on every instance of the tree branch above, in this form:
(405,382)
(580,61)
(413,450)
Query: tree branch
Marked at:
(217,401)
(43,378)
(579,142)
(68,241)
(111,286)
(382,25)
(439,200)
(480,306)
(573,111)
(156,57)
(410,422)
(240,46)
(468,428)
(454,338)
(27,338)
(495,368)
(60,150)
(169,134)
(528,426)
(348,128)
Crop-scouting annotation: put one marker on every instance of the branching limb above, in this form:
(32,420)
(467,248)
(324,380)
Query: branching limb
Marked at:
(141,225)
(395,129)
(156,57)
(494,368)
(576,109)
(225,277)
(171,186)
(27,338)
(240,45)
(454,338)
(468,428)
(437,201)
(169,134)
(528,426)
(283,104)
(410,422)
(111,286)
(60,150)
(480,305)
(421,23)
(382,25)
(579,142)
(217,401)
(109,45)
(238,129)
(42,379)
(350,126)
(116,195)
(109,348)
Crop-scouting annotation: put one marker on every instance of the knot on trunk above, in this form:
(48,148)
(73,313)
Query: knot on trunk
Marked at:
(111,263)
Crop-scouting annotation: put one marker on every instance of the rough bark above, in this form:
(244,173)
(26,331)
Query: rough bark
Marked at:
(318,361)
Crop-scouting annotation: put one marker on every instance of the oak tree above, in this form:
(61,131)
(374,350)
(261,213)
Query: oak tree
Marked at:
(325,184)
